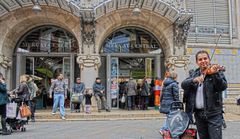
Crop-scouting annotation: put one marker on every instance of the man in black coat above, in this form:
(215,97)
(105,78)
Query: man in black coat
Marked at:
(206,96)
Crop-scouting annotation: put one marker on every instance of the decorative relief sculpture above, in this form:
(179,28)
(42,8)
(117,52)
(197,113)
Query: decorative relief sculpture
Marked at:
(89,61)
(180,32)
(180,61)
(88,33)
(5,62)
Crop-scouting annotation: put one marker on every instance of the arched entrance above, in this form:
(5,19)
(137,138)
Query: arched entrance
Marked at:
(44,52)
(129,52)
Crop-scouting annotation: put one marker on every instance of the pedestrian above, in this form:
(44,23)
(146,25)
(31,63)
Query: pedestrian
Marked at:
(144,93)
(170,93)
(3,102)
(206,93)
(122,93)
(88,101)
(59,89)
(131,93)
(78,87)
(22,90)
(99,93)
(32,87)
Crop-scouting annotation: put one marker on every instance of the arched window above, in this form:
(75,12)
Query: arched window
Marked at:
(131,40)
(48,39)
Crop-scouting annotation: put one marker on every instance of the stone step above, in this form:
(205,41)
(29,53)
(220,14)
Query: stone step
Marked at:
(234,109)
(233,92)
(103,115)
(230,101)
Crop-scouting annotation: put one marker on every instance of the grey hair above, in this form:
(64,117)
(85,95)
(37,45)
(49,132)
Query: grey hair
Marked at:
(173,75)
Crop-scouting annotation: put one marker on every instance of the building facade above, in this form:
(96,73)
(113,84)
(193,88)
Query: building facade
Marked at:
(115,39)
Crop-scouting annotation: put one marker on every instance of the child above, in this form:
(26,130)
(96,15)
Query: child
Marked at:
(88,101)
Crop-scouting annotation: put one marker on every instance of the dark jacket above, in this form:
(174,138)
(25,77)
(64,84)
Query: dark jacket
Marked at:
(3,94)
(97,87)
(23,92)
(170,93)
(78,88)
(88,99)
(145,89)
(213,86)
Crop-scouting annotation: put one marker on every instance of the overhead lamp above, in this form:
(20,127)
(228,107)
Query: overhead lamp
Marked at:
(136,11)
(36,8)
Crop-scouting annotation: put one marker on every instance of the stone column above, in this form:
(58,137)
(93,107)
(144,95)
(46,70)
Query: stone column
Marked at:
(89,65)
(89,68)
(157,64)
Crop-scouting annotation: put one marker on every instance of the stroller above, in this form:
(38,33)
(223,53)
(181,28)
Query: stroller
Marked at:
(14,119)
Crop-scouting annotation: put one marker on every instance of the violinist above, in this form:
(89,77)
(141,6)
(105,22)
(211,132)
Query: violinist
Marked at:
(206,85)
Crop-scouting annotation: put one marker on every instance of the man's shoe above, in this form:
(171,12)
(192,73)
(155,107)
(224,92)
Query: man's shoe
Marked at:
(108,110)
(53,113)
(99,111)
(63,118)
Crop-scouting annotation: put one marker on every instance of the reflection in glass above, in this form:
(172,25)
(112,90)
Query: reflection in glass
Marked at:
(48,39)
(131,40)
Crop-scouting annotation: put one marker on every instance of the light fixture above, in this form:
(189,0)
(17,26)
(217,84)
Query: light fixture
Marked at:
(136,11)
(36,8)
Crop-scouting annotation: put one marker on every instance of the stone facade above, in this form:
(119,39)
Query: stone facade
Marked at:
(92,25)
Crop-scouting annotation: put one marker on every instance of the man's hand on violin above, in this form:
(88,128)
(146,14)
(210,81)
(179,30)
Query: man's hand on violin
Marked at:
(214,69)
(199,79)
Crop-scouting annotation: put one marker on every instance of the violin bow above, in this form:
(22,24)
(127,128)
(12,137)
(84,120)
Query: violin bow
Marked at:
(219,37)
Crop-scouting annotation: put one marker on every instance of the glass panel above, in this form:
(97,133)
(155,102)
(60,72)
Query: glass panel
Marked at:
(114,82)
(131,41)
(48,39)
(30,65)
(66,70)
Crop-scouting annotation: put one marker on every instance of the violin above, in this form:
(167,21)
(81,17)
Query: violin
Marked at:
(213,68)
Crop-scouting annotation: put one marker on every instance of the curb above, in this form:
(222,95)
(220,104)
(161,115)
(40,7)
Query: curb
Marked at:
(98,119)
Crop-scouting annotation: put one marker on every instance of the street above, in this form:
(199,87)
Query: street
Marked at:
(125,129)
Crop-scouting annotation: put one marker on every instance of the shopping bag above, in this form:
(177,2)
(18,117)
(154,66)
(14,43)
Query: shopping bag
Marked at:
(76,97)
(19,117)
(123,99)
(25,111)
(11,110)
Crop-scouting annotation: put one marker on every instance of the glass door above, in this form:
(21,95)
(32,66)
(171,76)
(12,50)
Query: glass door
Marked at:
(114,90)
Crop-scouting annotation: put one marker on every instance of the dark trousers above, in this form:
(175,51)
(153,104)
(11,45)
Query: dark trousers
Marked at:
(131,102)
(3,116)
(208,127)
(144,102)
(101,100)
(32,104)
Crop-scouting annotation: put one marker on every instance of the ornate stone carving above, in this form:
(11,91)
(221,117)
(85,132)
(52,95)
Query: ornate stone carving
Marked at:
(181,61)
(5,62)
(180,32)
(88,33)
(89,61)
